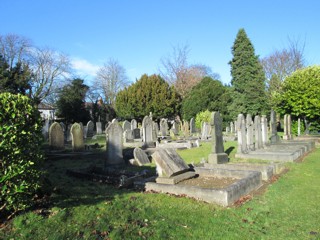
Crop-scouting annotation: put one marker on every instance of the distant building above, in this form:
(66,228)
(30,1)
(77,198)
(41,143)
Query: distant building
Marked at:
(47,112)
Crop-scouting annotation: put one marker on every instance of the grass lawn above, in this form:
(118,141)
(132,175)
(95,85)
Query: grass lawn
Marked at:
(80,209)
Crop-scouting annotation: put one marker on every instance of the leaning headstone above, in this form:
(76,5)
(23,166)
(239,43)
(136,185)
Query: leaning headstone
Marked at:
(99,127)
(257,132)
(140,157)
(134,124)
(273,125)
(241,134)
(264,130)
(90,128)
(147,128)
(192,126)
(126,125)
(250,133)
(217,154)
(77,137)
(56,137)
(114,144)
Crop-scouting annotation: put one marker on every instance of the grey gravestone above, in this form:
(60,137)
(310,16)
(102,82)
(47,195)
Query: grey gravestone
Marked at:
(169,163)
(250,133)
(147,129)
(136,133)
(126,125)
(241,134)
(205,131)
(164,127)
(69,138)
(128,135)
(257,132)
(114,144)
(85,131)
(273,122)
(227,129)
(175,128)
(232,127)
(155,131)
(90,129)
(185,128)
(134,124)
(217,154)
(140,157)
(287,127)
(192,126)
(99,127)
(299,127)
(77,137)
(264,130)
(56,137)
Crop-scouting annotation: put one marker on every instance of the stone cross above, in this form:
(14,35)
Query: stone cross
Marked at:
(217,154)
(114,144)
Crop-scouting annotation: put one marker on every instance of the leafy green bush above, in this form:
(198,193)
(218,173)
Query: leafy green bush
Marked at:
(294,127)
(20,138)
(201,117)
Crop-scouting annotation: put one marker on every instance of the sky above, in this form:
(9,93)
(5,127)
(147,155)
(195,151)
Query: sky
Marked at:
(139,33)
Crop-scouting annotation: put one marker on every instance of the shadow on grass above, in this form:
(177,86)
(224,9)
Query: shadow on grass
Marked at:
(229,150)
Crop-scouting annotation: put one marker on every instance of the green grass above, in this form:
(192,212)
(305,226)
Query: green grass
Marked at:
(80,209)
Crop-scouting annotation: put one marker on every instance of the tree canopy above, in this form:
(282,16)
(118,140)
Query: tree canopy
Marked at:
(148,94)
(206,95)
(248,78)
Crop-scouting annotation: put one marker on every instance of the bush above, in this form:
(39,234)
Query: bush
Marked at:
(20,138)
(201,117)
(294,127)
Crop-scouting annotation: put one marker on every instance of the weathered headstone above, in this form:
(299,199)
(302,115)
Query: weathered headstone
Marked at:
(227,129)
(140,157)
(99,127)
(273,125)
(287,127)
(134,124)
(77,137)
(69,138)
(175,128)
(128,135)
(257,132)
(241,134)
(186,132)
(250,133)
(147,128)
(136,133)
(217,154)
(164,127)
(299,127)
(126,125)
(155,131)
(114,144)
(264,130)
(90,129)
(232,130)
(205,131)
(192,126)
(56,137)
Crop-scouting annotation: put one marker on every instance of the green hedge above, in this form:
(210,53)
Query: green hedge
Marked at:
(20,154)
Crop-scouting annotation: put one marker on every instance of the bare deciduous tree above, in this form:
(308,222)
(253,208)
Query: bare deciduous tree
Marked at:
(110,79)
(176,70)
(49,70)
(14,48)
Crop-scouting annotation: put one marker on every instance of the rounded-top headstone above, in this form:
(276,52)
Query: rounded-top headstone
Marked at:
(56,136)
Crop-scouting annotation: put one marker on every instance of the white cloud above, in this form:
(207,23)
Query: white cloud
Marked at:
(83,67)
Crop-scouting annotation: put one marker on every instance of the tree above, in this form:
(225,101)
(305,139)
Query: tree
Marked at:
(177,72)
(148,94)
(49,70)
(71,102)
(248,78)
(299,95)
(111,78)
(206,95)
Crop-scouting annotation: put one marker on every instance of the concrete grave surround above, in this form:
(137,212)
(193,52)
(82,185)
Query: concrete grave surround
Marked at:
(217,154)
(77,137)
(90,129)
(56,136)
(114,144)
(140,157)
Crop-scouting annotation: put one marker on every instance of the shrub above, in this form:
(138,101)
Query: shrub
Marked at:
(201,117)
(20,138)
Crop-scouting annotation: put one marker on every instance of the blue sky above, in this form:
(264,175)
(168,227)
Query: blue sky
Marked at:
(139,33)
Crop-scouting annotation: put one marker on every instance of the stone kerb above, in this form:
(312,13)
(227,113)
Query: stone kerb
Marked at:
(77,137)
(114,144)
(217,155)
(56,136)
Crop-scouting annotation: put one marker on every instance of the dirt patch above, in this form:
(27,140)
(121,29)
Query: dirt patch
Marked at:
(208,182)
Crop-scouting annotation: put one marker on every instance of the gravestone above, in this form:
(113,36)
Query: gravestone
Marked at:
(164,127)
(217,154)
(85,131)
(227,129)
(56,137)
(287,127)
(90,129)
(140,157)
(136,133)
(192,126)
(77,137)
(128,135)
(69,138)
(273,125)
(257,132)
(126,125)
(99,127)
(250,133)
(264,130)
(299,127)
(155,131)
(175,128)
(134,124)
(45,129)
(232,130)
(147,129)
(186,128)
(114,144)
(205,131)
(241,134)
